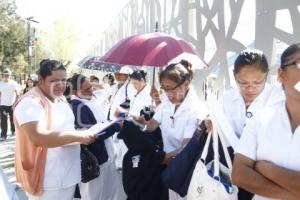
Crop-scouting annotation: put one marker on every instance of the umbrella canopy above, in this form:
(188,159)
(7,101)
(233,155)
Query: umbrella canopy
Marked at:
(93,63)
(152,49)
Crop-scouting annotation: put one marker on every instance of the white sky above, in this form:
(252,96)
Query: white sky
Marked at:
(88,17)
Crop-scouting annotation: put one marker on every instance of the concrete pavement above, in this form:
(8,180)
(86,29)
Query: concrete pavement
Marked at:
(7,153)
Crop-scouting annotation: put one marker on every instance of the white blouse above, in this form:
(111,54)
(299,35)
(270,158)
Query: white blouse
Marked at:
(176,126)
(62,168)
(140,100)
(235,110)
(118,96)
(269,137)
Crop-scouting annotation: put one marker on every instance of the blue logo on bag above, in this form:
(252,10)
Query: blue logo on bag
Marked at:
(223,178)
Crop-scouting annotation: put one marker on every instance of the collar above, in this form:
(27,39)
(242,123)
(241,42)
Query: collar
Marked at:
(190,99)
(74,97)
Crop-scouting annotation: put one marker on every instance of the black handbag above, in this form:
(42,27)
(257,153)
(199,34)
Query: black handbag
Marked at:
(125,104)
(90,168)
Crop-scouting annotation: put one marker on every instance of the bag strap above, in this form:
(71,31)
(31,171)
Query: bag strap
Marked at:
(216,151)
(218,134)
(206,146)
(225,150)
(126,93)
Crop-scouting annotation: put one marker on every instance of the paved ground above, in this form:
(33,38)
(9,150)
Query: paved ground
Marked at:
(7,152)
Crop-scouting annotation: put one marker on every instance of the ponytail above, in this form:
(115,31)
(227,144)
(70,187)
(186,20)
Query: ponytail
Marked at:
(177,72)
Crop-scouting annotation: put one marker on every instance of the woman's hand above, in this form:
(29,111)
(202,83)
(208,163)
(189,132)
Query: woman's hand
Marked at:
(86,137)
(140,119)
(119,111)
(155,95)
(208,124)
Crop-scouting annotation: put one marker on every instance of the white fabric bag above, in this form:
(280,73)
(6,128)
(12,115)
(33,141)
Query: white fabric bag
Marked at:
(205,187)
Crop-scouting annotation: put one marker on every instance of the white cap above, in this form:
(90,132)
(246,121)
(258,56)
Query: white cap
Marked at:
(6,71)
(125,70)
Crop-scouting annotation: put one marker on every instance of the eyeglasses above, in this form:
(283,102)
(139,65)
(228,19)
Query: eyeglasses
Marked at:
(254,84)
(295,63)
(171,90)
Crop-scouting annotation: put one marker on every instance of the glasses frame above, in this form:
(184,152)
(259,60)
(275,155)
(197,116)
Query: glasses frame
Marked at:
(252,85)
(171,90)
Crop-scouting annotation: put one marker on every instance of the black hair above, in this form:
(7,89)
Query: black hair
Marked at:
(47,66)
(77,80)
(94,78)
(288,52)
(30,79)
(252,57)
(177,72)
(138,75)
(68,90)
(110,77)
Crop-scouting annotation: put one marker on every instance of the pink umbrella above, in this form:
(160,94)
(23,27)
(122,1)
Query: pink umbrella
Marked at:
(152,49)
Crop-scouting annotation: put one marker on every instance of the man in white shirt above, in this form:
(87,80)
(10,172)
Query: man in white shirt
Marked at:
(9,94)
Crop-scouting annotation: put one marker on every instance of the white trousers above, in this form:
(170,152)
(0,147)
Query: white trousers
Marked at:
(107,186)
(63,194)
(120,150)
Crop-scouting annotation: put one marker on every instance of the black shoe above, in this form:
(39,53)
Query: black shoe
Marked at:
(2,139)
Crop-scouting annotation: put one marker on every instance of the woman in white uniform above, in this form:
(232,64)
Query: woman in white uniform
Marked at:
(45,123)
(179,114)
(267,161)
(88,111)
(142,98)
(253,93)
(120,92)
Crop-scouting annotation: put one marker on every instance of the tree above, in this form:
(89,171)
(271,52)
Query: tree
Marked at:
(62,41)
(13,38)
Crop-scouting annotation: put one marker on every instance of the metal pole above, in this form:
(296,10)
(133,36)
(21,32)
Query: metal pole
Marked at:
(28,46)
(29,20)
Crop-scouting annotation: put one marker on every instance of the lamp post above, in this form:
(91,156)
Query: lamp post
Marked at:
(29,45)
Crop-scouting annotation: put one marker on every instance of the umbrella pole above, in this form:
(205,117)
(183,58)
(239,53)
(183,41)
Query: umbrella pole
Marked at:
(153,85)
(153,77)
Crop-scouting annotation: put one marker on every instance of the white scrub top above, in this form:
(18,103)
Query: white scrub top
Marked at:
(176,126)
(269,137)
(118,96)
(235,110)
(140,100)
(63,167)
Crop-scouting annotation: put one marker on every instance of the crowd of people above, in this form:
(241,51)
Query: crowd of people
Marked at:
(51,131)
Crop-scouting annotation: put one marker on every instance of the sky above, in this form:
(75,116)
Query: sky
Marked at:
(88,17)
